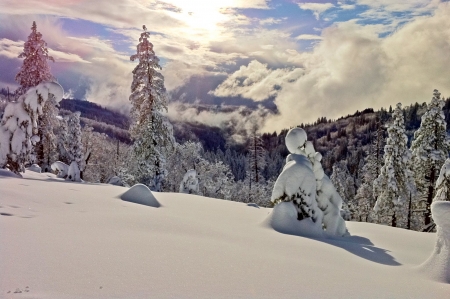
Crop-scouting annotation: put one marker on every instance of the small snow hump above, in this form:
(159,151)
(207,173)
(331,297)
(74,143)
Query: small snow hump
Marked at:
(142,195)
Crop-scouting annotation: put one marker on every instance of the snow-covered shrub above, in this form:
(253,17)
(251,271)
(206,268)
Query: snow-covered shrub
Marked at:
(190,182)
(304,183)
(60,168)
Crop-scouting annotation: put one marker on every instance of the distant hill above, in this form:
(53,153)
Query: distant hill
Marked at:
(103,120)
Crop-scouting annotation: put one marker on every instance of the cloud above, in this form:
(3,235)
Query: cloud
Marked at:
(308,37)
(239,121)
(352,68)
(256,82)
(316,8)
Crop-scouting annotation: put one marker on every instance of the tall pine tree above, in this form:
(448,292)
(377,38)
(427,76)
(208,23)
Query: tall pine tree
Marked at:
(430,148)
(151,131)
(395,184)
(35,70)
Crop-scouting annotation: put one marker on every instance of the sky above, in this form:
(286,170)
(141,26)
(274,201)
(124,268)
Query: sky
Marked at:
(302,59)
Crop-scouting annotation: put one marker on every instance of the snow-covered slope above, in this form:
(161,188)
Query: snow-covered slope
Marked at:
(73,240)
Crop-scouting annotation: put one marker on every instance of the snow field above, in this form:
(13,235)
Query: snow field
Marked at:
(71,240)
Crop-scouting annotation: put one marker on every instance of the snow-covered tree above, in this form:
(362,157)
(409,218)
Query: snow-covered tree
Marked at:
(184,157)
(46,148)
(18,127)
(430,148)
(34,69)
(395,184)
(256,156)
(189,184)
(364,198)
(151,131)
(345,185)
(74,147)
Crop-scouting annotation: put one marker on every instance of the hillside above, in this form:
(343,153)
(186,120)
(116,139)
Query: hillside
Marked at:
(74,240)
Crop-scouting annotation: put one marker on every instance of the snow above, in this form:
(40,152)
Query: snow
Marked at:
(35,168)
(7,173)
(73,173)
(115,180)
(63,239)
(283,219)
(437,267)
(61,168)
(141,194)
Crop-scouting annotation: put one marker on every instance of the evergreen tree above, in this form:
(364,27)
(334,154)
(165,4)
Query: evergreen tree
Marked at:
(430,149)
(74,146)
(395,184)
(151,131)
(345,186)
(373,162)
(33,71)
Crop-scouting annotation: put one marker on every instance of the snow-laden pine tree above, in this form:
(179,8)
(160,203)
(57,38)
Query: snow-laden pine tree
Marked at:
(18,127)
(151,131)
(430,148)
(345,186)
(74,147)
(35,70)
(46,148)
(364,198)
(395,184)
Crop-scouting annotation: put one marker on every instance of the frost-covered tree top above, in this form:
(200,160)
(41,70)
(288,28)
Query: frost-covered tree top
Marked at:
(35,68)
(147,90)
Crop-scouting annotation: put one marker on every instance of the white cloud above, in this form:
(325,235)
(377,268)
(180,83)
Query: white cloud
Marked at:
(316,8)
(351,69)
(308,37)
(256,82)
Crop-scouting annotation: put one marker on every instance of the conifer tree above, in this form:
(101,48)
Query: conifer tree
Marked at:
(35,70)
(395,184)
(151,131)
(430,148)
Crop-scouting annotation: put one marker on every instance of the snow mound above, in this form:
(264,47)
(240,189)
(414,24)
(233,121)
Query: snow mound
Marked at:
(60,168)
(142,195)
(116,181)
(283,219)
(35,168)
(295,140)
(437,267)
(8,173)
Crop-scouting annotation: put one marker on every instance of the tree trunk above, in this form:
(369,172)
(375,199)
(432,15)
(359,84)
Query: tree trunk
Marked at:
(430,196)
(394,220)
(409,213)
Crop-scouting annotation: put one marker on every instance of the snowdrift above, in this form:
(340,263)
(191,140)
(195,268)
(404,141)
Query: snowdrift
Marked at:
(140,194)
(63,239)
